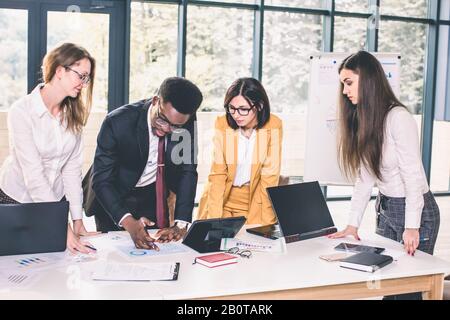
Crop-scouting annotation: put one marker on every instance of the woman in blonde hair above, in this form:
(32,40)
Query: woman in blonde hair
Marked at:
(45,157)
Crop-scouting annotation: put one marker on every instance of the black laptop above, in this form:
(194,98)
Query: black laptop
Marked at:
(29,228)
(302,213)
(206,235)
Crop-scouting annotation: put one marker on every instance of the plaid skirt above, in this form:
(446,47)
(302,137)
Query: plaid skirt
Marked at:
(5,199)
(391,220)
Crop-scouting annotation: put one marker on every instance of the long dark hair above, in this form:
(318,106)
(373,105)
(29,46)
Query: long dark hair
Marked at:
(361,127)
(252,91)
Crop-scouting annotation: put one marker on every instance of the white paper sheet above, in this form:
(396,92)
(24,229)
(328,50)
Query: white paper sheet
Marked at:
(135,272)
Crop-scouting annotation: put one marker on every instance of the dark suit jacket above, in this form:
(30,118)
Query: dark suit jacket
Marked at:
(120,159)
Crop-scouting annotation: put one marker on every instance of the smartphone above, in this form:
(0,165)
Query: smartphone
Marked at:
(351,247)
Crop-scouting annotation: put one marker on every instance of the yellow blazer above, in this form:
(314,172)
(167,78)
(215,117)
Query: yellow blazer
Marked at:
(265,171)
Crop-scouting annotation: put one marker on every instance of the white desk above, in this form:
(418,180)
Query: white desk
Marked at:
(298,274)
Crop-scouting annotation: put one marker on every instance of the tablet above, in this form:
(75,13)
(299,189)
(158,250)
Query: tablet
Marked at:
(351,247)
(206,235)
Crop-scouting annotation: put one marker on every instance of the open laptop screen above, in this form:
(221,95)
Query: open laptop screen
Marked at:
(300,208)
(29,228)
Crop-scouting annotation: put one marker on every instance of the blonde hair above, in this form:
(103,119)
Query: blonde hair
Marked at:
(75,110)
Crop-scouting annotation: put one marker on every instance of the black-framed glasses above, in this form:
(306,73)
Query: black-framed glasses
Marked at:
(174,128)
(242,111)
(243,253)
(85,78)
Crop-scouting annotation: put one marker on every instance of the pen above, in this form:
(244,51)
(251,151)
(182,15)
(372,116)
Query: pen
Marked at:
(90,247)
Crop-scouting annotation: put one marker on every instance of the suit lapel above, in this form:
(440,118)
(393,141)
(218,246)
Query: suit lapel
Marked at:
(142,131)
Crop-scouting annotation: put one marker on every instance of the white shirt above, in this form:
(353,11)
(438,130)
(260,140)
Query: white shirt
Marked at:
(45,159)
(401,169)
(149,174)
(245,158)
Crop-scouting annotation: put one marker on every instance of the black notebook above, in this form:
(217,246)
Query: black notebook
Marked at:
(366,261)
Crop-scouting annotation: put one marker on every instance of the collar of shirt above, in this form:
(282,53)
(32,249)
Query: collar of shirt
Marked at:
(38,104)
(152,135)
(252,136)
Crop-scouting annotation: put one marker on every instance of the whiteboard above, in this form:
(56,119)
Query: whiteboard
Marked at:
(321,162)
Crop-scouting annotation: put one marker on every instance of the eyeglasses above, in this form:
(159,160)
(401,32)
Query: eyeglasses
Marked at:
(243,253)
(85,78)
(242,111)
(174,128)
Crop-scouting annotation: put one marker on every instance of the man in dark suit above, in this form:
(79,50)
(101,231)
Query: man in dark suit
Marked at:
(125,187)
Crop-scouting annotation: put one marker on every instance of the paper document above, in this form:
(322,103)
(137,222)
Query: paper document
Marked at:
(164,249)
(135,272)
(9,280)
(273,246)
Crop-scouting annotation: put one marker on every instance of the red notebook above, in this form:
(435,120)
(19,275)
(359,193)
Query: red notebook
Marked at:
(216,259)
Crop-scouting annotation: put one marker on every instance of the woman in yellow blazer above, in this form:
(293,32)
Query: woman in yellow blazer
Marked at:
(246,158)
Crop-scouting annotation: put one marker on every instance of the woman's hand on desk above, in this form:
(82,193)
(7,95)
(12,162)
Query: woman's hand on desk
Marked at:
(80,230)
(75,245)
(348,231)
(411,239)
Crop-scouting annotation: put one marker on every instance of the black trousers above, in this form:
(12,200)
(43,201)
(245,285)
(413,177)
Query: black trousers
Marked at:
(140,201)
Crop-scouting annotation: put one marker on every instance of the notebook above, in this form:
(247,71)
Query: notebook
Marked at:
(301,211)
(366,261)
(216,260)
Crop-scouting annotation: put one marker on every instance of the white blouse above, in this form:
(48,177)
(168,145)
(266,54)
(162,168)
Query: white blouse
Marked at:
(45,159)
(401,169)
(245,158)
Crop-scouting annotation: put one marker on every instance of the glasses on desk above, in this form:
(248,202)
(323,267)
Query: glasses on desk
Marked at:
(243,253)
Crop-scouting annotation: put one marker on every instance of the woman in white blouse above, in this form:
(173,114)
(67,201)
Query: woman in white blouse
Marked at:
(379,145)
(45,158)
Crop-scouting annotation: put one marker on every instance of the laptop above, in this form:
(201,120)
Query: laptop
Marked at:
(206,235)
(29,228)
(302,213)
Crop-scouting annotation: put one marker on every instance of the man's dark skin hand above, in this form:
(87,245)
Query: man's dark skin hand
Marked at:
(137,231)
(173,233)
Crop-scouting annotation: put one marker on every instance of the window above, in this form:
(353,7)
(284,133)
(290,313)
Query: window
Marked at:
(295,3)
(233,1)
(352,5)
(153,47)
(349,39)
(440,161)
(407,8)
(289,40)
(90,30)
(408,39)
(440,156)
(219,50)
(13,55)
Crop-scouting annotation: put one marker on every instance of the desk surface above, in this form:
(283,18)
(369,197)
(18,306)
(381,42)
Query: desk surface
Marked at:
(298,268)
